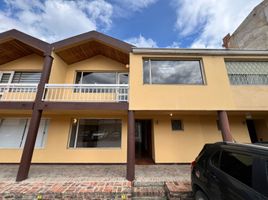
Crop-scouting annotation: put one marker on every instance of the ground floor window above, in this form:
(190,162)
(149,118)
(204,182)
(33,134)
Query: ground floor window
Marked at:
(13,132)
(90,133)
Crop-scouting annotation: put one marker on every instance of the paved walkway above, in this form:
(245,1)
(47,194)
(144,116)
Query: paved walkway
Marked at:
(93,181)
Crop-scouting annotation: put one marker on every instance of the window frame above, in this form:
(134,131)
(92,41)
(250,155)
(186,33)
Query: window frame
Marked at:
(25,133)
(90,148)
(181,123)
(201,67)
(117,74)
(242,60)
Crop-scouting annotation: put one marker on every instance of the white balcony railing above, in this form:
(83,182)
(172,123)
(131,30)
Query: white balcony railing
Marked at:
(86,92)
(18,92)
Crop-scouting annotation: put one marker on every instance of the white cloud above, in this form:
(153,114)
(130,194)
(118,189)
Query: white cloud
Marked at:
(55,20)
(174,45)
(142,42)
(137,5)
(210,20)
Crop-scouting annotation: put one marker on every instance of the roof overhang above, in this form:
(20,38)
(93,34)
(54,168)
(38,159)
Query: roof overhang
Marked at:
(199,52)
(90,44)
(15,44)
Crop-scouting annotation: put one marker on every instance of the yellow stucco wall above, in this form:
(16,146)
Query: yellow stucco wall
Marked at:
(96,63)
(184,146)
(32,62)
(56,146)
(215,94)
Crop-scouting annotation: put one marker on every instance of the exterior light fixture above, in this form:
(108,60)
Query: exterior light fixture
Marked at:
(127,66)
(171,114)
(75,121)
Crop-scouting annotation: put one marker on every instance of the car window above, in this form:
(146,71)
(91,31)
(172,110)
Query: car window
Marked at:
(215,159)
(239,166)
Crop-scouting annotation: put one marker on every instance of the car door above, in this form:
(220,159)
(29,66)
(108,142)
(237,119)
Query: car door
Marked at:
(235,176)
(213,182)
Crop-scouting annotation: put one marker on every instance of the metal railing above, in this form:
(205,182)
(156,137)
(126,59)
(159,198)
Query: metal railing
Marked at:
(86,92)
(18,92)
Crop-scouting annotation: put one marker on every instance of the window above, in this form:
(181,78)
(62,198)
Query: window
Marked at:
(215,159)
(247,73)
(172,72)
(101,78)
(239,166)
(13,133)
(95,133)
(26,77)
(176,125)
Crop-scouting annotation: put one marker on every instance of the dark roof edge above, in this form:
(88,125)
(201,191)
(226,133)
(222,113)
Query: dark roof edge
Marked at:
(26,39)
(93,35)
(226,52)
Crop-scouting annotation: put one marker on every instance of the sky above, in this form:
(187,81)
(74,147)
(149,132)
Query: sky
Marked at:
(143,23)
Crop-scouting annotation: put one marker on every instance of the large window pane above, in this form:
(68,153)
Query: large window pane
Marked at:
(247,73)
(13,133)
(26,77)
(96,133)
(95,78)
(238,166)
(172,72)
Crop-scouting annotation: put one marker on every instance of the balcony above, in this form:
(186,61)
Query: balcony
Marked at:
(17,92)
(86,93)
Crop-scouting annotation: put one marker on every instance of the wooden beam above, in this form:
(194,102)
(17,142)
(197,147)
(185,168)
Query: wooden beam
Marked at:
(28,149)
(83,106)
(224,126)
(131,147)
(16,105)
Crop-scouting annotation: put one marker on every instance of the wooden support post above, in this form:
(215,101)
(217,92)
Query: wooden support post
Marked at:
(28,149)
(225,127)
(131,147)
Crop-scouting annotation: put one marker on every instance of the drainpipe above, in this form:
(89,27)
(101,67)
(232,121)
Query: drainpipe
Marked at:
(28,149)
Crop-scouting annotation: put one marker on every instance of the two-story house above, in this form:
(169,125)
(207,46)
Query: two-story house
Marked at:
(95,99)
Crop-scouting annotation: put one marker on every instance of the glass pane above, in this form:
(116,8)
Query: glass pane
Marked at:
(238,166)
(123,78)
(73,134)
(99,133)
(41,135)
(26,77)
(247,73)
(78,79)
(172,72)
(5,78)
(98,78)
(11,132)
(146,71)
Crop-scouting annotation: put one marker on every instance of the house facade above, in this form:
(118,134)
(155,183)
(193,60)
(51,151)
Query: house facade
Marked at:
(94,99)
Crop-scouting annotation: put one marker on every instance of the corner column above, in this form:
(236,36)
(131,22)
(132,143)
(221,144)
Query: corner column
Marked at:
(28,149)
(131,147)
(224,126)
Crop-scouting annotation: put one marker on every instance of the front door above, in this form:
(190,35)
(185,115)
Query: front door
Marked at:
(143,142)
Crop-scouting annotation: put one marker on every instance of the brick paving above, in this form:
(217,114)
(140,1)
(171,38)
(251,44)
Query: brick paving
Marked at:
(94,182)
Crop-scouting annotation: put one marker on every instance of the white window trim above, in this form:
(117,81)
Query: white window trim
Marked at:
(91,148)
(25,128)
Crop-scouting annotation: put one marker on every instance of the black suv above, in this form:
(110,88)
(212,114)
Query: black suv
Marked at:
(231,171)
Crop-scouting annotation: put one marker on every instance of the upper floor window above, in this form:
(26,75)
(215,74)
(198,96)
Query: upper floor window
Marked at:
(172,72)
(101,78)
(19,77)
(247,72)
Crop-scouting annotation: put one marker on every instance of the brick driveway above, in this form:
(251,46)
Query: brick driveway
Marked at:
(90,181)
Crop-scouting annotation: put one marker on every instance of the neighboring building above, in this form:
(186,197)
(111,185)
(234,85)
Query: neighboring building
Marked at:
(252,32)
(98,90)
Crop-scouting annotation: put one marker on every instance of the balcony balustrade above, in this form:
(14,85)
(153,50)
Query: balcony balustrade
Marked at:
(86,93)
